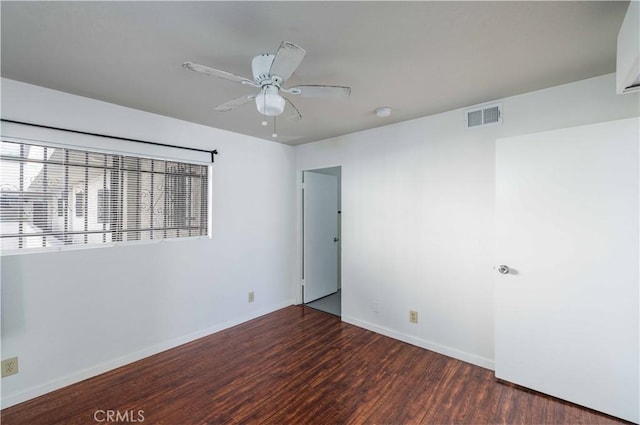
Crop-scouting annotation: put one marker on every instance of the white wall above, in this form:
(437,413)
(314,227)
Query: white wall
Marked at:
(69,315)
(418,214)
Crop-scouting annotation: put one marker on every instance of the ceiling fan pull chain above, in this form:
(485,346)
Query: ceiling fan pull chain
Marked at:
(264,115)
(275,133)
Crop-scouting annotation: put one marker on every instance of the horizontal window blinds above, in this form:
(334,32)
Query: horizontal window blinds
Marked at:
(53,196)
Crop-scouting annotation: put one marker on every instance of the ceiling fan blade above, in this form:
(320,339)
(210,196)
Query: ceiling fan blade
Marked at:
(288,58)
(295,115)
(217,73)
(320,91)
(232,104)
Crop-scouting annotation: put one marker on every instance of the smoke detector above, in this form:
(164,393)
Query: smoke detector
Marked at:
(383,112)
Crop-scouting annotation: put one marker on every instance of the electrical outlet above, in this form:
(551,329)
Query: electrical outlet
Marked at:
(9,366)
(252,296)
(375,307)
(413,316)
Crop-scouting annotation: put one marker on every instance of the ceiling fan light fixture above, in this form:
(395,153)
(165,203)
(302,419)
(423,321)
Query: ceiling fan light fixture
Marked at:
(269,102)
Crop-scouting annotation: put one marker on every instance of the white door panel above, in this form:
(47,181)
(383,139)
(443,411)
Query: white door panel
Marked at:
(567,223)
(320,228)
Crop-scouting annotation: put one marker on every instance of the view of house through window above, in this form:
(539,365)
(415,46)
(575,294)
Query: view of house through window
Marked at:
(52,196)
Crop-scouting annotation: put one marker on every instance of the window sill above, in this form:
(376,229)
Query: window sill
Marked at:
(28,251)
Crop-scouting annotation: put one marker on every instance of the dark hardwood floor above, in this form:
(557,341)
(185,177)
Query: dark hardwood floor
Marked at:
(298,366)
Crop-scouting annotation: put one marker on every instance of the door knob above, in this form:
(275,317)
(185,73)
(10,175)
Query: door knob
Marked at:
(503,269)
(336,239)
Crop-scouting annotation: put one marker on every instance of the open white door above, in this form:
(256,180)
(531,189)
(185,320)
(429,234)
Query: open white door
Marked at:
(567,226)
(320,218)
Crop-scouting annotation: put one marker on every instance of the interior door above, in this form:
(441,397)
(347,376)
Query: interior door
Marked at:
(567,228)
(320,213)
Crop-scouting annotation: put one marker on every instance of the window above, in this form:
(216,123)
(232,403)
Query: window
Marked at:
(51,196)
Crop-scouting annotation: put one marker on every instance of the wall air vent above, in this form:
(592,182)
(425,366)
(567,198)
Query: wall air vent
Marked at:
(483,116)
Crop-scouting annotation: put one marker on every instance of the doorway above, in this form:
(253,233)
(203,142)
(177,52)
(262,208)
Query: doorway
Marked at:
(321,244)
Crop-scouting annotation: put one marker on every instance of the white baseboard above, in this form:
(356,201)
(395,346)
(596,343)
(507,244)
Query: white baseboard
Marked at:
(423,343)
(81,375)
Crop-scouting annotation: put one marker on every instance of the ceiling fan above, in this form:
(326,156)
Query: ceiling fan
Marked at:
(270,72)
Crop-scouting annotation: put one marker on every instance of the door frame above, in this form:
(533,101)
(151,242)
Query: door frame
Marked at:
(299,268)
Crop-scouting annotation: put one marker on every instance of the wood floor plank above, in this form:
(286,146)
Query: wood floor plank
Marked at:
(300,366)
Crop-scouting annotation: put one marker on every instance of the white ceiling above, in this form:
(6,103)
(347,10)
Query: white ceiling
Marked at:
(419,58)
